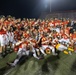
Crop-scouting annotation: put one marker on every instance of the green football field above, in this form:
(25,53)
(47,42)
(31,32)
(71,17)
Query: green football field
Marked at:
(51,65)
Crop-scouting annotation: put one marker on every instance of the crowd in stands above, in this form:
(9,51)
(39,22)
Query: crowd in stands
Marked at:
(36,37)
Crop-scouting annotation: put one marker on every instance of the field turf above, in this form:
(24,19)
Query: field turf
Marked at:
(50,65)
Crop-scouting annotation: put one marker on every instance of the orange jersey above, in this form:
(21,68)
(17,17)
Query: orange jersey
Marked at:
(26,35)
(16,33)
(44,41)
(74,36)
(2,32)
(34,43)
(26,42)
(65,23)
(6,23)
(67,31)
(46,29)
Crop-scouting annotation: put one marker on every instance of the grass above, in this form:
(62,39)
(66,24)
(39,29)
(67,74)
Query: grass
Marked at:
(51,65)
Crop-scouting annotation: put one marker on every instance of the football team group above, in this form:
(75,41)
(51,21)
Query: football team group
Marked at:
(36,37)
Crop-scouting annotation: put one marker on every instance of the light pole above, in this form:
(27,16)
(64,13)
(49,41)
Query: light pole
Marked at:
(50,5)
(48,2)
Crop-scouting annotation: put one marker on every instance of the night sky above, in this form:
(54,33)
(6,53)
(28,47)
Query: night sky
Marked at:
(33,8)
